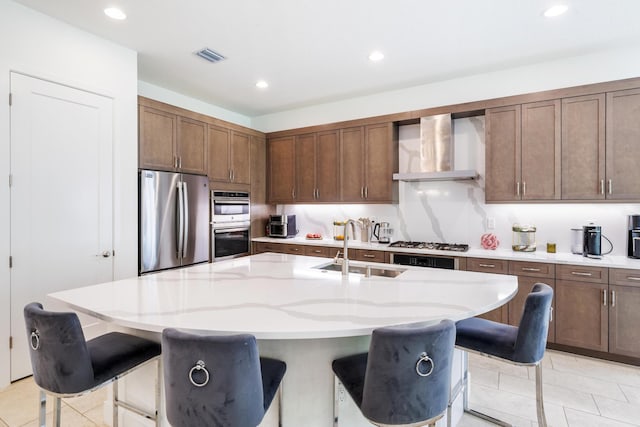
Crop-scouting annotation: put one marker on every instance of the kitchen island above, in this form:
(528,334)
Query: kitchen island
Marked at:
(303,315)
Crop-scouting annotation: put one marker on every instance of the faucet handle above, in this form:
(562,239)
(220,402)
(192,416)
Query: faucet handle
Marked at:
(337,257)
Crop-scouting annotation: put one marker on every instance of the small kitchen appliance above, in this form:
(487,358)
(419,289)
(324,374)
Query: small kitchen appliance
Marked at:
(577,237)
(524,238)
(282,226)
(382,232)
(633,238)
(592,241)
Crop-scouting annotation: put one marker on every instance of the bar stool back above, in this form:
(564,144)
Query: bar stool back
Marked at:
(405,378)
(66,365)
(217,381)
(523,345)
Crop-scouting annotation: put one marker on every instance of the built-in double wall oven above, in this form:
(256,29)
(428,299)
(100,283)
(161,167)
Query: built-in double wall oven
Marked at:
(230,224)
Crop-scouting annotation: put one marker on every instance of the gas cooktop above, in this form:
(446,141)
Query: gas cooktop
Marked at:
(457,247)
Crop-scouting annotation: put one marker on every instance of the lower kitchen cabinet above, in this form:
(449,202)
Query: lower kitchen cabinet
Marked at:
(294,249)
(582,307)
(371,256)
(260,247)
(624,315)
(320,251)
(497,266)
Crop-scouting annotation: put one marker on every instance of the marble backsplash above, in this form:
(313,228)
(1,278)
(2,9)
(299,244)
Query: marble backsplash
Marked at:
(455,211)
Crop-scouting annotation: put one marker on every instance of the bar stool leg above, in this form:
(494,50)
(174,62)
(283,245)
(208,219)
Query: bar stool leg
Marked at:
(43,409)
(56,412)
(465,382)
(158,376)
(336,400)
(542,419)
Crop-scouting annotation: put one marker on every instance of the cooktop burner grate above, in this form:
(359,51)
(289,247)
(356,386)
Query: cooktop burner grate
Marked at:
(456,247)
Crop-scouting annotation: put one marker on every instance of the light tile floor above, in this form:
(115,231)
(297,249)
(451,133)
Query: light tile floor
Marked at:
(579,392)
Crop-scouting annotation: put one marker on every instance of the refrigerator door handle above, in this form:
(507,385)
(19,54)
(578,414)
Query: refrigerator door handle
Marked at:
(185,233)
(180,221)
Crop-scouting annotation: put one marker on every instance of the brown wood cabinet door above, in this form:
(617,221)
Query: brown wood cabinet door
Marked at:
(502,162)
(379,163)
(260,210)
(583,146)
(624,318)
(541,156)
(240,158)
(372,256)
(281,169)
(306,168)
(157,139)
(516,305)
(192,146)
(328,166)
(319,251)
(293,249)
(219,154)
(500,314)
(352,165)
(581,314)
(623,145)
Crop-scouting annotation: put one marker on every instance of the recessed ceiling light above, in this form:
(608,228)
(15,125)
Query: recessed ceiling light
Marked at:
(262,84)
(376,56)
(115,13)
(556,10)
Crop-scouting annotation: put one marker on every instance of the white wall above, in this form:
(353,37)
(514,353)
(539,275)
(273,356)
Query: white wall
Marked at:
(42,47)
(161,94)
(573,71)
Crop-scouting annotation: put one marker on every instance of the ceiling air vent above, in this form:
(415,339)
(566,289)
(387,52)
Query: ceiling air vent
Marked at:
(210,55)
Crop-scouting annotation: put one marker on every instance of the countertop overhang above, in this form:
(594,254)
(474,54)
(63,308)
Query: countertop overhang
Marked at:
(278,296)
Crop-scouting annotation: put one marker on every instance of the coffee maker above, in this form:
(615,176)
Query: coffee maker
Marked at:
(592,241)
(633,237)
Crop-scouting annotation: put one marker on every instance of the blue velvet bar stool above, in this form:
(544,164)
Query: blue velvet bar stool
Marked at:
(217,381)
(523,345)
(66,365)
(404,379)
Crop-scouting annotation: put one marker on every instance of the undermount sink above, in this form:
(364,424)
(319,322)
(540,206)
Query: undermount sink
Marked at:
(363,269)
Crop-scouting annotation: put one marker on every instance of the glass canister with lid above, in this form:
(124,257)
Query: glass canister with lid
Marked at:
(524,238)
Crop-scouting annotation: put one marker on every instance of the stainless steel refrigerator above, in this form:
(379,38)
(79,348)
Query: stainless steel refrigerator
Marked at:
(173,220)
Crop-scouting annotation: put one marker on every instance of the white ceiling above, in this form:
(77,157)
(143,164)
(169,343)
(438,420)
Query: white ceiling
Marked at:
(314,51)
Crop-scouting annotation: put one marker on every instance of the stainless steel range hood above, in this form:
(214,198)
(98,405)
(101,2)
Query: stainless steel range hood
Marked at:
(432,157)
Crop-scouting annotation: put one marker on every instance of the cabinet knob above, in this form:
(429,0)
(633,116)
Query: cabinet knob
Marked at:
(106,254)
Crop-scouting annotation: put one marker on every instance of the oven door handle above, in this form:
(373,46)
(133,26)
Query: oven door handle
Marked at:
(230,202)
(230,230)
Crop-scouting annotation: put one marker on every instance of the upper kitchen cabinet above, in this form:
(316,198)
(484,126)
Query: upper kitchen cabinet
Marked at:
(171,142)
(523,152)
(583,147)
(317,164)
(229,156)
(623,145)
(369,157)
(281,167)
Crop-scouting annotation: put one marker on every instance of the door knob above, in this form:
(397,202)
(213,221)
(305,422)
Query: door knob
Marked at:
(106,254)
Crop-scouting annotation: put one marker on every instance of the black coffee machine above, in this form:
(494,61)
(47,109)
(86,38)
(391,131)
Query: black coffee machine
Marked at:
(592,241)
(633,237)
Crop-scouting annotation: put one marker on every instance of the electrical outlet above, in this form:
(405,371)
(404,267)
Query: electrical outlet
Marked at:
(491,223)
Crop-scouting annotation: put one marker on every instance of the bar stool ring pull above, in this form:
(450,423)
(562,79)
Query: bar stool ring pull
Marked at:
(34,342)
(199,366)
(424,357)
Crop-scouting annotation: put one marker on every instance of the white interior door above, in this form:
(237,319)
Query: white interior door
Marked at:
(61,196)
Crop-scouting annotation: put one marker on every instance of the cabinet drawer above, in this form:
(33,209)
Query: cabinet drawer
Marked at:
(532,269)
(269,247)
(294,249)
(486,265)
(373,256)
(625,277)
(321,251)
(582,273)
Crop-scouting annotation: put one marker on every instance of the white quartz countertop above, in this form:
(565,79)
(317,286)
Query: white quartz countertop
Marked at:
(278,296)
(611,261)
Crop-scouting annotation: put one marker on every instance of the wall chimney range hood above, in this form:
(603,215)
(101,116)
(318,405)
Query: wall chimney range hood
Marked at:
(432,157)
